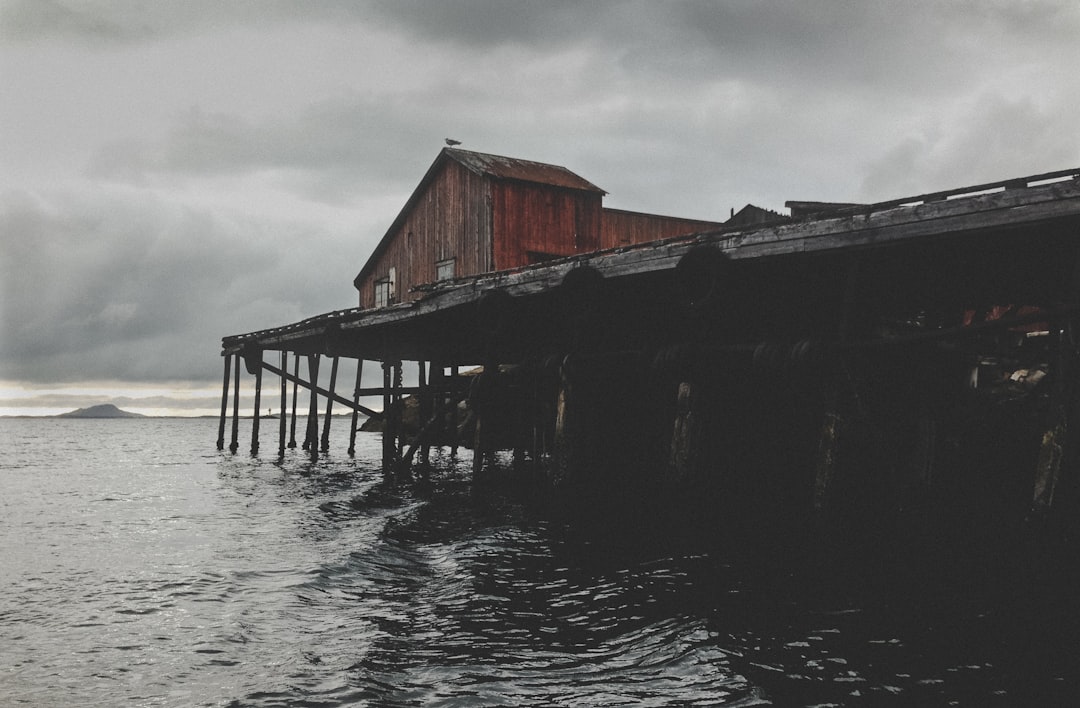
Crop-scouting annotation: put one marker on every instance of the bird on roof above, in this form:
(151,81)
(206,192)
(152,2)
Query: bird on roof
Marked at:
(451,142)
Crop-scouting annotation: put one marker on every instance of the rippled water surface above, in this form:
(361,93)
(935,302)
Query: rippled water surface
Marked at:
(142,567)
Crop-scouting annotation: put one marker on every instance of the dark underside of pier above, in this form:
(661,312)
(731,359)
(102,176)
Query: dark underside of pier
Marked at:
(921,354)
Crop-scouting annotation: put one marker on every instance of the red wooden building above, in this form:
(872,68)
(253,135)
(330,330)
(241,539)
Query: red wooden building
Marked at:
(475,213)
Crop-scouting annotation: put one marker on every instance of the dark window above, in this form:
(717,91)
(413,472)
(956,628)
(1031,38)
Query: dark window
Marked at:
(382,292)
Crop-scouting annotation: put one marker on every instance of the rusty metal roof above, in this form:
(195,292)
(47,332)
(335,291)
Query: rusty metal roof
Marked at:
(523,170)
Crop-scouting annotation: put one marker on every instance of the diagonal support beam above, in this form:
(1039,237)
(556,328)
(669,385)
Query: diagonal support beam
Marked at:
(323,392)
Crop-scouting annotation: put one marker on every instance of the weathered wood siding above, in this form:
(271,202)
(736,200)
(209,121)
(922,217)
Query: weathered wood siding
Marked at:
(533,222)
(450,219)
(623,228)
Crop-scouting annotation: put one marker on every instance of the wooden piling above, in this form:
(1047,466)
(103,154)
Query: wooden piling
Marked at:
(284,402)
(567,442)
(258,402)
(311,438)
(235,444)
(685,438)
(388,420)
(296,379)
(826,462)
(1055,428)
(397,408)
(325,446)
(356,411)
(455,380)
(224,402)
(425,408)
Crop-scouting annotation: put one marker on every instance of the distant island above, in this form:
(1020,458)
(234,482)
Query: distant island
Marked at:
(105,410)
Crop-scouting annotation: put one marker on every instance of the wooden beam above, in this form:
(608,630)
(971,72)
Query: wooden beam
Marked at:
(325,443)
(258,402)
(311,435)
(234,445)
(323,392)
(224,403)
(281,409)
(355,407)
(295,379)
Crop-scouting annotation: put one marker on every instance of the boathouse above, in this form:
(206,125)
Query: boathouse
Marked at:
(475,213)
(849,362)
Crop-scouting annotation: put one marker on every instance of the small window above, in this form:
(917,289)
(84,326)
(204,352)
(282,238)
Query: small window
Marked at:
(444,270)
(382,292)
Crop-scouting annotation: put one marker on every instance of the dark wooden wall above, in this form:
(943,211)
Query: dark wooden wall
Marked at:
(623,228)
(451,219)
(534,221)
(488,224)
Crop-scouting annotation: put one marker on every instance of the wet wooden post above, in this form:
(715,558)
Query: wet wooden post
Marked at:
(311,438)
(325,446)
(686,448)
(425,408)
(235,444)
(388,420)
(397,407)
(834,425)
(1056,426)
(284,402)
(256,363)
(296,379)
(827,458)
(481,399)
(565,444)
(455,379)
(436,382)
(224,402)
(356,411)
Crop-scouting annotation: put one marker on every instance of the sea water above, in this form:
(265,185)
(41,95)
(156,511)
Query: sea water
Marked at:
(140,566)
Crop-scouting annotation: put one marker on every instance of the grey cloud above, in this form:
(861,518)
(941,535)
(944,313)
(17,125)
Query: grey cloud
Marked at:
(332,152)
(108,288)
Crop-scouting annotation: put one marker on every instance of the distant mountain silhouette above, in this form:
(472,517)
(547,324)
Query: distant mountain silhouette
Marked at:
(105,410)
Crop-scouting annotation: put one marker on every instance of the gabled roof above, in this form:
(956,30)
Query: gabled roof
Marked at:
(494,166)
(522,170)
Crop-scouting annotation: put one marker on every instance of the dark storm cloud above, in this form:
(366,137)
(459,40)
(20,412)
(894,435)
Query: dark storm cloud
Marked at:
(100,288)
(330,151)
(181,171)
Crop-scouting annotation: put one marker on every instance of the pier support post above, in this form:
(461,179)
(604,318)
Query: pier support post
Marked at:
(284,402)
(455,380)
(296,379)
(567,428)
(391,415)
(1052,446)
(397,405)
(256,363)
(826,461)
(686,450)
(325,446)
(356,411)
(311,438)
(425,409)
(224,402)
(234,445)
(480,403)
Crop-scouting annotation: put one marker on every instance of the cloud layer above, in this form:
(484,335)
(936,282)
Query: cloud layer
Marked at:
(176,172)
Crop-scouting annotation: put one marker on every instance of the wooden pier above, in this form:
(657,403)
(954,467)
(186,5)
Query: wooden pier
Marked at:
(833,364)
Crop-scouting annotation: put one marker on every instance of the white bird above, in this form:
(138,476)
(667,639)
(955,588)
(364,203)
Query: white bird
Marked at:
(451,142)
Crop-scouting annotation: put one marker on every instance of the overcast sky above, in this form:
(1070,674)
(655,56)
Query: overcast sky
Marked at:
(173,172)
